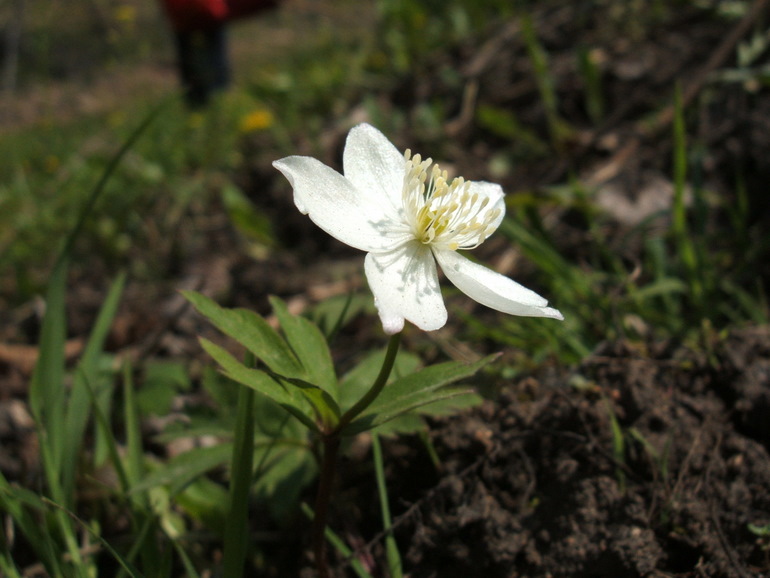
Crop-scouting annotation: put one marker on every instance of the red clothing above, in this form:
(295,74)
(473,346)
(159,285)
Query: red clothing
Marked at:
(204,14)
(195,14)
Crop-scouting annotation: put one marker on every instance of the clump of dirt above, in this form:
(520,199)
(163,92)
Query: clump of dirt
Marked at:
(638,463)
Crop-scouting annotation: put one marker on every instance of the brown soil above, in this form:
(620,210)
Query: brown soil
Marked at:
(529,485)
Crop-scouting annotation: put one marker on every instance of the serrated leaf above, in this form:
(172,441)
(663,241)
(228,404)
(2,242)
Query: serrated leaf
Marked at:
(424,382)
(309,345)
(252,331)
(411,422)
(414,391)
(326,409)
(370,421)
(290,399)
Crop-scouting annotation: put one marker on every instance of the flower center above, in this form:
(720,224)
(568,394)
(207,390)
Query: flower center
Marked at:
(441,213)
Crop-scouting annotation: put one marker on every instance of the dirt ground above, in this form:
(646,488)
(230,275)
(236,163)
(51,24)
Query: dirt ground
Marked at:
(530,485)
(648,458)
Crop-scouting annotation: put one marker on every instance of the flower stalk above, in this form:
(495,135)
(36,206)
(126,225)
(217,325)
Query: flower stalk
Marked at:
(377,386)
(331,445)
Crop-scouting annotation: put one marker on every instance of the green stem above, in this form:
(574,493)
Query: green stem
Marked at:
(236,530)
(377,386)
(331,446)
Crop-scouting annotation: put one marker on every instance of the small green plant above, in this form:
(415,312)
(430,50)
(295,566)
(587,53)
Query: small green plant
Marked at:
(295,370)
(763,539)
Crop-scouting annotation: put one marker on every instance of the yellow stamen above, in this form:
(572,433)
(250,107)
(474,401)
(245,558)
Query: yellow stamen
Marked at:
(444,213)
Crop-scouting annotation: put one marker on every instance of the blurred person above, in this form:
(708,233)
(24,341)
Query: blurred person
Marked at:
(200,29)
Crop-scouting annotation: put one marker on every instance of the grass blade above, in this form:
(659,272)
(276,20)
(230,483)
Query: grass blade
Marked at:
(391,548)
(339,545)
(236,529)
(86,378)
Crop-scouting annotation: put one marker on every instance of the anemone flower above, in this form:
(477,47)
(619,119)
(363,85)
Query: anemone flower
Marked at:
(407,215)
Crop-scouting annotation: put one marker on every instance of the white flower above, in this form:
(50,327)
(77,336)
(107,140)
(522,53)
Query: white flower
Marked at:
(403,212)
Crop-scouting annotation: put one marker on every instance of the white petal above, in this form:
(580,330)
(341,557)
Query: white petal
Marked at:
(492,289)
(496,198)
(405,286)
(336,206)
(374,165)
(492,198)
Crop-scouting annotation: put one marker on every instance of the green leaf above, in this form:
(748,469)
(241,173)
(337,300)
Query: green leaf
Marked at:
(660,287)
(358,380)
(288,398)
(503,122)
(181,470)
(206,501)
(309,345)
(371,420)
(452,404)
(26,508)
(82,570)
(286,471)
(413,422)
(241,470)
(416,390)
(253,332)
(89,370)
(223,391)
(326,409)
(404,424)
(46,390)
(285,462)
(426,381)
(335,312)
(89,374)
(243,214)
